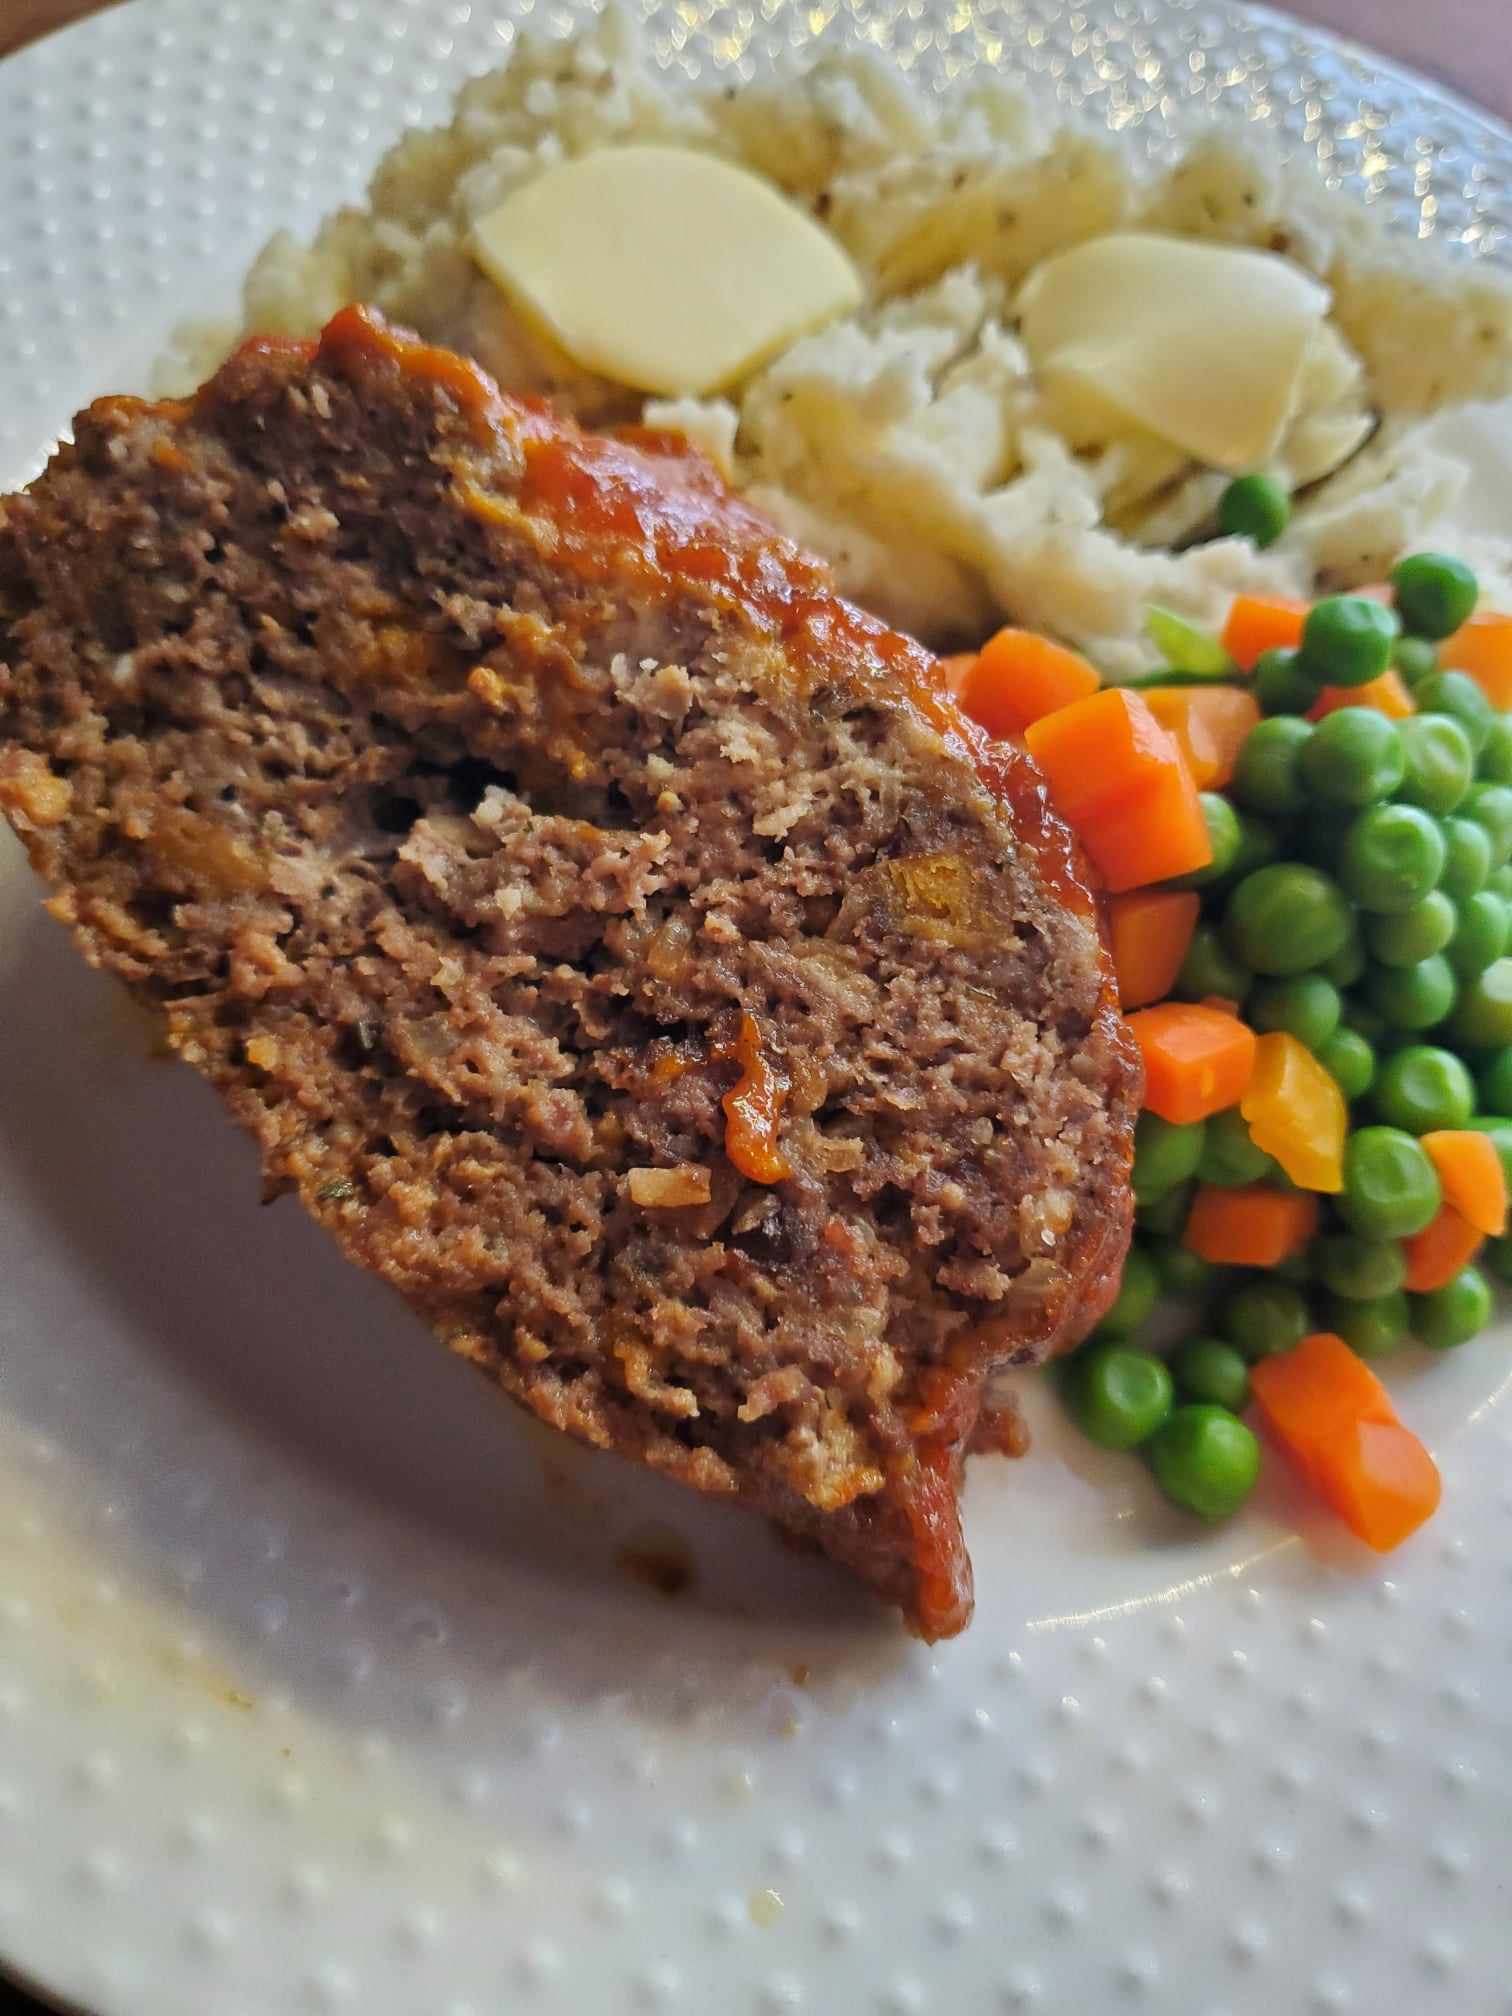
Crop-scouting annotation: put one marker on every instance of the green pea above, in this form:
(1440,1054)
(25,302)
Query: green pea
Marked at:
(1467,856)
(1207,1369)
(1165,1217)
(1257,508)
(1296,1269)
(1230,1158)
(1480,936)
(1391,1189)
(1319,840)
(1118,1397)
(1499,882)
(1494,763)
(1440,762)
(1286,918)
(1205,1460)
(1281,685)
(1210,968)
(1458,694)
(1497,1255)
(1223,830)
(1393,855)
(1359,1270)
(1434,594)
(1259,845)
(1348,963)
(1374,1328)
(1490,805)
(1184,646)
(1415,658)
(1499,1133)
(1494,1081)
(1136,1295)
(1454,1313)
(1355,757)
(1267,776)
(1421,1088)
(1349,1059)
(1482,1019)
(1413,997)
(1165,1154)
(1265,1316)
(1407,936)
(1347,640)
(1360,1017)
(1305,1006)
(1181,1271)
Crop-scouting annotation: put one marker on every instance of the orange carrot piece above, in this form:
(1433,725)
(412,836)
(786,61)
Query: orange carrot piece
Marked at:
(1388,695)
(1435,1255)
(1308,1394)
(1228,713)
(1122,782)
(1382,1483)
(1483,648)
(1210,723)
(1253,1227)
(1258,623)
(1018,677)
(1168,705)
(1156,832)
(1335,1420)
(1148,934)
(1197,1060)
(1471,1176)
(1097,751)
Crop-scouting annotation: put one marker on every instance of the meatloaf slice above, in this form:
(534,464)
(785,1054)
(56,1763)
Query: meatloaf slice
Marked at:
(620,942)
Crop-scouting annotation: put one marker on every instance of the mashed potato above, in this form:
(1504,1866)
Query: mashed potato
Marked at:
(910,442)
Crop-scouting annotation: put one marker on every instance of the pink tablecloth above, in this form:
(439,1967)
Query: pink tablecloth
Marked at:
(1466,43)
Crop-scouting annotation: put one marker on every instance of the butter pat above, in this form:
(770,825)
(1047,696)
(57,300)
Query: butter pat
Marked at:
(1200,344)
(663,268)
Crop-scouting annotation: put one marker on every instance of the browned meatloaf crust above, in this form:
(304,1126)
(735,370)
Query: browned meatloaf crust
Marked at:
(619,941)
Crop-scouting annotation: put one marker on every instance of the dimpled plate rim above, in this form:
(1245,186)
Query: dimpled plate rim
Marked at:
(325,1683)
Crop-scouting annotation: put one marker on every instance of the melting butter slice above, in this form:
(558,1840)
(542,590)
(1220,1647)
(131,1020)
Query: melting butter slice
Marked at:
(664,268)
(1201,344)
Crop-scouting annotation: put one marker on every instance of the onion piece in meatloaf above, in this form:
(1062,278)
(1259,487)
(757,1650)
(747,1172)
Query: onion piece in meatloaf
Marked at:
(620,942)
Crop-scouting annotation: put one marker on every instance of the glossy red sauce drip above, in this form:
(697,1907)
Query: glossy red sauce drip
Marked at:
(942,1420)
(753,1108)
(363,332)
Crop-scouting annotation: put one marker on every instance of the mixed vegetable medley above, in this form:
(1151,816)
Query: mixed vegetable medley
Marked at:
(1304,834)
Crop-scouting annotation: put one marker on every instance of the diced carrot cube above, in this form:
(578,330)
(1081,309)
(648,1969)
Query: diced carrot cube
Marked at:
(1260,623)
(1252,1227)
(1435,1255)
(1309,1393)
(1335,1420)
(1154,833)
(1097,751)
(1197,1060)
(1210,723)
(1018,677)
(1382,1482)
(1483,648)
(1148,934)
(1387,695)
(1471,1176)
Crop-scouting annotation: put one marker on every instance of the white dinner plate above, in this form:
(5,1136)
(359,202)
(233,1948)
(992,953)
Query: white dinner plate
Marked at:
(327,1681)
